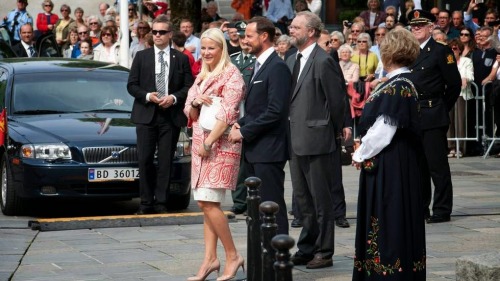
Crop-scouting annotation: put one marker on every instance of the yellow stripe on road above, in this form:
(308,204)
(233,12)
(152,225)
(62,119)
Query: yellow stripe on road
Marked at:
(51,224)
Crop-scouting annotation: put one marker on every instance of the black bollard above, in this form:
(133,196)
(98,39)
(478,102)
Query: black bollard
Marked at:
(254,248)
(282,243)
(268,231)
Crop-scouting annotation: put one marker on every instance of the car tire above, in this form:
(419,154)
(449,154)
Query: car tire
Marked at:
(10,202)
(179,202)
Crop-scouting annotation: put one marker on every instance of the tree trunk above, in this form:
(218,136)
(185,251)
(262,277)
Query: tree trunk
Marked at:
(190,9)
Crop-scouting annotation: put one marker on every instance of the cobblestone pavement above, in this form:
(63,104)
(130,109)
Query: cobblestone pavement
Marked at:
(175,252)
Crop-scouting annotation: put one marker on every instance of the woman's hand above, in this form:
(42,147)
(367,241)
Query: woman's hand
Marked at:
(357,165)
(202,100)
(204,149)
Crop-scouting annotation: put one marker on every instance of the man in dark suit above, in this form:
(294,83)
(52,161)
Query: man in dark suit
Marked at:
(316,118)
(263,129)
(245,62)
(25,47)
(438,81)
(159,80)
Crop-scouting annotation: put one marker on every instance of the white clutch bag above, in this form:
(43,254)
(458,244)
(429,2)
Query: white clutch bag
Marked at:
(207,114)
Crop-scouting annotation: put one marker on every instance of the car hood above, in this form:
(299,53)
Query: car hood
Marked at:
(77,129)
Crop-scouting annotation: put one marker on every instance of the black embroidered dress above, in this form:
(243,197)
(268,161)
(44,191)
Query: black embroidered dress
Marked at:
(390,233)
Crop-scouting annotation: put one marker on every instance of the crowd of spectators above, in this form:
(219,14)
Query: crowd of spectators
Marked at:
(472,34)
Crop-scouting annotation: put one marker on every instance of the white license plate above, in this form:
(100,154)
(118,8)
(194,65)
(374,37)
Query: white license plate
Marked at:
(112,174)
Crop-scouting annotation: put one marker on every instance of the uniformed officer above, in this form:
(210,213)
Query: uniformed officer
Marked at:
(17,18)
(438,81)
(245,63)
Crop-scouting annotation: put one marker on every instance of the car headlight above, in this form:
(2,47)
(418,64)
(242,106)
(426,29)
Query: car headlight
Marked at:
(183,145)
(46,151)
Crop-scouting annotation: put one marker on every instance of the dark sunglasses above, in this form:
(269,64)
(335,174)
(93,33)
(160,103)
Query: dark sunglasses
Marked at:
(48,5)
(161,32)
(389,14)
(64,10)
(465,34)
(379,34)
(81,33)
(92,23)
(107,34)
(131,10)
(364,41)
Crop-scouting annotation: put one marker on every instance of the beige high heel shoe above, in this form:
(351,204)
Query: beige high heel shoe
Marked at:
(241,263)
(214,266)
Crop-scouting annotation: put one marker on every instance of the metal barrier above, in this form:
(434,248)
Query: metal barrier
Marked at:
(456,121)
(488,140)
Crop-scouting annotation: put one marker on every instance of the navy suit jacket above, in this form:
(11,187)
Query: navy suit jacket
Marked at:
(264,126)
(142,80)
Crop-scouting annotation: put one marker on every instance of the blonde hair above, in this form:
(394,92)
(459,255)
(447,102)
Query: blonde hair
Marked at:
(217,36)
(399,47)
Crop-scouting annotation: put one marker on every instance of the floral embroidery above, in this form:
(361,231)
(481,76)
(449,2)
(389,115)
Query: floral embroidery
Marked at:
(373,264)
(370,164)
(390,89)
(419,265)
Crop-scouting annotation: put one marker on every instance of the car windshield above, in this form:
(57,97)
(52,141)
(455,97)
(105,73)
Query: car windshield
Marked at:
(70,92)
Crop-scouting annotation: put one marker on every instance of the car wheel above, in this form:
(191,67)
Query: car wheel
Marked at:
(10,203)
(179,202)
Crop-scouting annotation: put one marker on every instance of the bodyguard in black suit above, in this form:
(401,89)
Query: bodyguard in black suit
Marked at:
(25,47)
(263,129)
(317,106)
(159,80)
(438,80)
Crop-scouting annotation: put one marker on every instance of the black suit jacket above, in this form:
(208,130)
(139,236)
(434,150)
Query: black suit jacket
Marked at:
(264,126)
(142,80)
(19,50)
(435,73)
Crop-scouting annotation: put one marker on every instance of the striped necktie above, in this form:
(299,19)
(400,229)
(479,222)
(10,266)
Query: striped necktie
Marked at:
(160,78)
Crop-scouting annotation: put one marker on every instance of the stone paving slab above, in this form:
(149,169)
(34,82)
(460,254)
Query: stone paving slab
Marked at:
(174,252)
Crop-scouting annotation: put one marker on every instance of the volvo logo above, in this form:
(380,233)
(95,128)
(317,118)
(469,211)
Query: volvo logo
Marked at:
(114,155)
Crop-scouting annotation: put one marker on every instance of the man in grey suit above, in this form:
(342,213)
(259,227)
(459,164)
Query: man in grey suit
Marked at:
(316,117)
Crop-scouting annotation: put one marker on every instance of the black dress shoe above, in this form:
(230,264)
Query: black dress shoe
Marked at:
(145,210)
(296,223)
(319,262)
(342,222)
(237,211)
(299,259)
(438,218)
(160,209)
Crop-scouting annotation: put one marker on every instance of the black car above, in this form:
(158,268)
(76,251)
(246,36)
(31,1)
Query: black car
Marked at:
(65,132)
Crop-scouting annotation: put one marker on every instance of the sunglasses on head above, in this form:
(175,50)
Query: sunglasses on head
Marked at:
(161,32)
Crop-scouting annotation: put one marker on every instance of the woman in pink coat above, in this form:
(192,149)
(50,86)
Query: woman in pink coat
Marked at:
(215,160)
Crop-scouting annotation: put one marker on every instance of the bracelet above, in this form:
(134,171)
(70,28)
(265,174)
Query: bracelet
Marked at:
(207,147)
(195,106)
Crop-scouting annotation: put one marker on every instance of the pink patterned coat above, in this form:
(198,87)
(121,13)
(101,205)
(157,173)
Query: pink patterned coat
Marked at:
(220,169)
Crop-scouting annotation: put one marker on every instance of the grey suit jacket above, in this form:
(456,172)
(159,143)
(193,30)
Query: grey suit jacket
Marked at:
(317,105)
